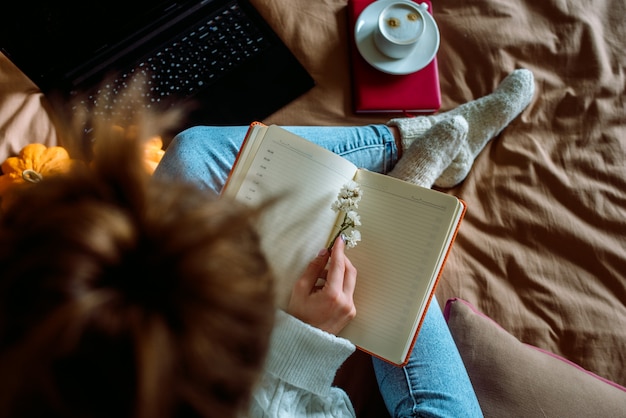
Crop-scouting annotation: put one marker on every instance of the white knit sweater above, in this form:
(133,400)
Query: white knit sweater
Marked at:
(300,368)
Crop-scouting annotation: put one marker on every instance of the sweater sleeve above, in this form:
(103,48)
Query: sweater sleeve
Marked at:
(300,368)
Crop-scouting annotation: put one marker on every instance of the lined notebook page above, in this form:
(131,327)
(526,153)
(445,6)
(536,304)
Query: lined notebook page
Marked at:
(400,254)
(406,232)
(307,178)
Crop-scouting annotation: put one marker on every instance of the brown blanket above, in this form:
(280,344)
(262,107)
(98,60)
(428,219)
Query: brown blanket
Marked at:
(542,249)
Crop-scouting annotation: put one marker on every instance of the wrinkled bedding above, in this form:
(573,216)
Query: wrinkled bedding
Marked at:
(542,250)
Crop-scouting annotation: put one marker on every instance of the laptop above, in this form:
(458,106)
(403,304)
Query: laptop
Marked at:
(220,55)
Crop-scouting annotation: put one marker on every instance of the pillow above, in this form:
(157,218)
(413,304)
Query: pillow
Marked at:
(514,379)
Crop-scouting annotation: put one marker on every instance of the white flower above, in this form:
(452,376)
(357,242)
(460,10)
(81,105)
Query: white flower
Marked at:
(349,195)
(347,202)
(352,238)
(354,218)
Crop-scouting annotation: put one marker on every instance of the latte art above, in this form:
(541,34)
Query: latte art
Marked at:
(402,24)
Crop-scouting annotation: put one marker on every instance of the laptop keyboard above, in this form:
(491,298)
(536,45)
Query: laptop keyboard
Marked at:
(191,62)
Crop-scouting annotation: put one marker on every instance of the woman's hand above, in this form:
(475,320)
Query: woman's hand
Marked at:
(327,305)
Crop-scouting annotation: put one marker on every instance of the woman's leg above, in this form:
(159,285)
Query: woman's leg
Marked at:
(434,383)
(204,155)
(486,117)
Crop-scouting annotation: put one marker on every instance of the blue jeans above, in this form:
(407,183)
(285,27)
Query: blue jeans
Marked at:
(434,382)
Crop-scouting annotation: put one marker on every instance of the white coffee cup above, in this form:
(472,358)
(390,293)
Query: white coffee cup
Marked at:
(400,25)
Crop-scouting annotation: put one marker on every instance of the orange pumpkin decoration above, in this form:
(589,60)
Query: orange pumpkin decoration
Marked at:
(153,152)
(153,147)
(36,161)
(32,164)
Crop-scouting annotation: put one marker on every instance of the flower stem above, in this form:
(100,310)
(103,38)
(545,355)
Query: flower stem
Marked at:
(343,227)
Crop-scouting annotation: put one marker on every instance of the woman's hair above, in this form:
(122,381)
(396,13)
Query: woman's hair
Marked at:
(125,296)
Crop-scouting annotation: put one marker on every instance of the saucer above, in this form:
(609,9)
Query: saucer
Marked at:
(422,54)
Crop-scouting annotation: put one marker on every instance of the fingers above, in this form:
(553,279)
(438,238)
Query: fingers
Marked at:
(349,279)
(329,306)
(315,269)
(341,273)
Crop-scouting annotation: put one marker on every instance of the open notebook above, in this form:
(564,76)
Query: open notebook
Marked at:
(407,232)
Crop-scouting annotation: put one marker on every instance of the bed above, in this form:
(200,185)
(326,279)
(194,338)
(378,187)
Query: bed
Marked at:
(538,270)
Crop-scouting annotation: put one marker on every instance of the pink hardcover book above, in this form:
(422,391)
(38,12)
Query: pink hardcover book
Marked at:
(387,85)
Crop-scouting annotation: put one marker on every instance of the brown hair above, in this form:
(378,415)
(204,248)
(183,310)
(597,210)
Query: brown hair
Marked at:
(121,295)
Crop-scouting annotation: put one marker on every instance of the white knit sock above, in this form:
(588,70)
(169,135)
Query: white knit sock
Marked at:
(486,118)
(430,154)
